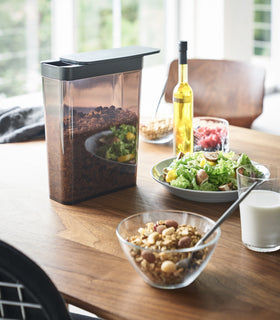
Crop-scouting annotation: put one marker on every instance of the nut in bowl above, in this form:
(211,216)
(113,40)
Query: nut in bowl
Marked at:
(157,242)
(157,130)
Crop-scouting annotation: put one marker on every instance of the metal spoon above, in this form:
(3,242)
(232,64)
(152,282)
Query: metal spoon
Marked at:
(160,98)
(185,262)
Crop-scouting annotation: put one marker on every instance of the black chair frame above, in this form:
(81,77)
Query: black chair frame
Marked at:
(26,291)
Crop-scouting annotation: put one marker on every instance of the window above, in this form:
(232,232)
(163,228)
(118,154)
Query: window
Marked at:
(104,24)
(262,28)
(266,45)
(36,30)
(24,40)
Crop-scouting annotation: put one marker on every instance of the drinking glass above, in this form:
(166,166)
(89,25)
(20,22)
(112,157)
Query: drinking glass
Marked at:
(260,210)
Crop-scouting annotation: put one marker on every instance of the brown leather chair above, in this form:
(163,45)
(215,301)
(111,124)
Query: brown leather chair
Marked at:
(232,90)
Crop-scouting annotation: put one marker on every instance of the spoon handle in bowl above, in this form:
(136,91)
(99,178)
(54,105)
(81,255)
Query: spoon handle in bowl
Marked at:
(229,211)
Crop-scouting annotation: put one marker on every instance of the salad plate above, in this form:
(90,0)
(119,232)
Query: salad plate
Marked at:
(92,145)
(188,194)
(183,176)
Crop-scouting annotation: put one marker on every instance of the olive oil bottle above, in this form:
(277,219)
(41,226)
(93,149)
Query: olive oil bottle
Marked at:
(183,105)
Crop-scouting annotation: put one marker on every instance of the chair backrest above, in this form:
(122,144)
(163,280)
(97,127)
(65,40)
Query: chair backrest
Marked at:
(26,292)
(232,90)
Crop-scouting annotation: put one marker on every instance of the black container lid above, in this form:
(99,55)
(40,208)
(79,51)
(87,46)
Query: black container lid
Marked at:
(96,63)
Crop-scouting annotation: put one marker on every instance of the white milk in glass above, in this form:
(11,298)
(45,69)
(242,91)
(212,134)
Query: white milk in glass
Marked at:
(260,219)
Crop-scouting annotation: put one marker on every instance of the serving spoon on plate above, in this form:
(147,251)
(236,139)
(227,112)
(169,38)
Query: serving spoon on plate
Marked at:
(185,262)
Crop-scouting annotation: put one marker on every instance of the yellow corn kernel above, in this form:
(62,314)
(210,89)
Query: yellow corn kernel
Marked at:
(126,157)
(171,175)
(130,136)
(212,163)
(202,162)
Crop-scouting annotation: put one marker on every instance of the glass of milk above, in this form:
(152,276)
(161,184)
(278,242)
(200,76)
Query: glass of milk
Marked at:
(260,210)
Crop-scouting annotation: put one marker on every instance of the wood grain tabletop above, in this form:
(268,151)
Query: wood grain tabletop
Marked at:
(78,248)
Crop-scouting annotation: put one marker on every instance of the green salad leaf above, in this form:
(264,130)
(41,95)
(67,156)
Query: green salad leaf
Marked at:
(119,145)
(185,172)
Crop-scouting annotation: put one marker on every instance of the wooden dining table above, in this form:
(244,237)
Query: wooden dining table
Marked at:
(77,246)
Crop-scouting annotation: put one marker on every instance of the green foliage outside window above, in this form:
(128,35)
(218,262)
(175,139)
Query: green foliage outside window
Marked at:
(13,44)
(141,24)
(94,25)
(130,22)
(262,1)
(262,30)
(262,16)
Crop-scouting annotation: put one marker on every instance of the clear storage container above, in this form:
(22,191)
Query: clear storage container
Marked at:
(92,120)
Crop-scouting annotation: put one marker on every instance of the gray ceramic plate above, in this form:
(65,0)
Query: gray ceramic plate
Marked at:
(193,195)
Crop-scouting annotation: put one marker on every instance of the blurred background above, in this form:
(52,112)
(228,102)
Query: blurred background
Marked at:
(36,30)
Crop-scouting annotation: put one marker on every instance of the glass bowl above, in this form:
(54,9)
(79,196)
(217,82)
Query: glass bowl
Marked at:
(156,130)
(156,126)
(153,244)
(211,134)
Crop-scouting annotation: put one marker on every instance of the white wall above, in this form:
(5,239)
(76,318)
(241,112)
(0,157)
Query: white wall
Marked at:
(63,9)
(238,29)
(209,29)
(217,29)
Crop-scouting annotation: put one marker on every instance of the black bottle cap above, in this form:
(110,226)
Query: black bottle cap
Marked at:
(183,47)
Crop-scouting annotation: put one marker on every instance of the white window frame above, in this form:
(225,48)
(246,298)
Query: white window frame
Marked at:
(32,45)
(62,19)
(275,43)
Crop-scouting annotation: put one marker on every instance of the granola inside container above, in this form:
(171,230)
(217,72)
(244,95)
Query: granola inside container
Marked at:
(92,114)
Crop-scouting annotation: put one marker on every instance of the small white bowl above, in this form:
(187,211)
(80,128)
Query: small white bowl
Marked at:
(156,130)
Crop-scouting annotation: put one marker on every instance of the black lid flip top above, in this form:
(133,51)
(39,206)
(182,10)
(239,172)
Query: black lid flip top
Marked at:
(96,63)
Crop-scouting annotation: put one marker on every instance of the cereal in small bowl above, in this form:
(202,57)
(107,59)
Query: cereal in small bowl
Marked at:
(156,130)
(156,242)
